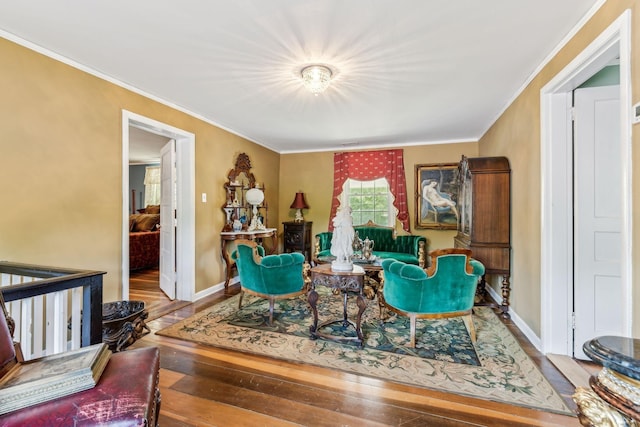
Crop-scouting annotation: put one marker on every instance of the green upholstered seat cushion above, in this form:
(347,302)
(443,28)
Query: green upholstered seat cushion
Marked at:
(324,254)
(450,289)
(398,256)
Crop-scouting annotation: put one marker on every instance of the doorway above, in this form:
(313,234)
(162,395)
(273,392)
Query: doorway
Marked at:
(558,250)
(184,252)
(145,185)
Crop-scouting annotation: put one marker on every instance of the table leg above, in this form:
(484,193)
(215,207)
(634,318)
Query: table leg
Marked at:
(312,298)
(506,291)
(345,320)
(362,304)
(228,261)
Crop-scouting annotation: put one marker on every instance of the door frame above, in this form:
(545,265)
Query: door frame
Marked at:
(185,201)
(556,258)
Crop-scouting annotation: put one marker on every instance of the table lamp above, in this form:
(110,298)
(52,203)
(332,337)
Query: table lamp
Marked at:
(299,203)
(254,197)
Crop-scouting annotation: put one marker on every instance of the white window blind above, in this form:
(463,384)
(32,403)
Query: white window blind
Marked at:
(152,185)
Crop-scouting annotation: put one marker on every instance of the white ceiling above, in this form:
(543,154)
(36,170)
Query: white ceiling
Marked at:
(406,71)
(144,147)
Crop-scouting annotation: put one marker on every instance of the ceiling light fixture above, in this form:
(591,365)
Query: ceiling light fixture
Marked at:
(316,78)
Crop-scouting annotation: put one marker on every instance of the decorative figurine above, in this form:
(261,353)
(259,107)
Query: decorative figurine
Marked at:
(342,240)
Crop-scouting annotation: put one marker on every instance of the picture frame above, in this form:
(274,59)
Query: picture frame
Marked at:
(437,196)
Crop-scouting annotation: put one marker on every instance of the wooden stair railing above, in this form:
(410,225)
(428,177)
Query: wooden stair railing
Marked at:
(38,299)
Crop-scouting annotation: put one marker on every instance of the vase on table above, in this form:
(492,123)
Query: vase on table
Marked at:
(367,249)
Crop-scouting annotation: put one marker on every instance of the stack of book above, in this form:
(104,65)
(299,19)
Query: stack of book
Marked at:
(51,377)
(617,384)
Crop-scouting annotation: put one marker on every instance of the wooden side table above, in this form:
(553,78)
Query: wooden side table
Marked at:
(297,238)
(346,282)
(229,236)
(614,395)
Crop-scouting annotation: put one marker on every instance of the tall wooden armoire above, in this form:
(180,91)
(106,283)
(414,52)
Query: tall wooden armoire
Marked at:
(484,223)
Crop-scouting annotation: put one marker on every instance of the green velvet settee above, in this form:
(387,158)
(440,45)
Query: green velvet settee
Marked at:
(409,249)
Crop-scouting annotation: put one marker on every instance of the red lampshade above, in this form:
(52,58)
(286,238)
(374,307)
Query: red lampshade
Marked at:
(299,202)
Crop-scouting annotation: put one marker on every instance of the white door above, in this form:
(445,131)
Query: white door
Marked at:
(168,219)
(598,216)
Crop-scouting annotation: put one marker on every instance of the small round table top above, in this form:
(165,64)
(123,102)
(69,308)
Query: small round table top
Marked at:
(373,265)
(326,269)
(620,354)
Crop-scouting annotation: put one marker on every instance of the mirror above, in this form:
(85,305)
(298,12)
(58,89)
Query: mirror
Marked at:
(239,181)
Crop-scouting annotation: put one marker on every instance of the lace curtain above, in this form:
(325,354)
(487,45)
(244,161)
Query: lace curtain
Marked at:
(369,165)
(152,185)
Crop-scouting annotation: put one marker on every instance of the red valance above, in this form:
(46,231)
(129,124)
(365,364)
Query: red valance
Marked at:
(367,166)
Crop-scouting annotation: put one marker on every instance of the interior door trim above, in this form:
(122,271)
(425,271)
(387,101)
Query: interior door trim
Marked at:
(185,203)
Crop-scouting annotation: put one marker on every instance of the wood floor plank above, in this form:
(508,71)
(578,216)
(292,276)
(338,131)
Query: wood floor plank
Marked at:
(204,412)
(577,375)
(168,420)
(168,377)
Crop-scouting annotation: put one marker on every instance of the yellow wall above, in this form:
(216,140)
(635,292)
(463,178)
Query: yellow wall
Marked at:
(516,135)
(312,173)
(61,172)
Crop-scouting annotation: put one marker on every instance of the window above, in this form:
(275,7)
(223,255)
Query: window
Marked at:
(152,185)
(369,166)
(369,200)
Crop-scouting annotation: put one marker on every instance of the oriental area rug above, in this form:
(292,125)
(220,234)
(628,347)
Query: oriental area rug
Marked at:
(496,368)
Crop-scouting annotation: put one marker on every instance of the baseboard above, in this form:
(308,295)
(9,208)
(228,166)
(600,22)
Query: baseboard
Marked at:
(517,320)
(213,289)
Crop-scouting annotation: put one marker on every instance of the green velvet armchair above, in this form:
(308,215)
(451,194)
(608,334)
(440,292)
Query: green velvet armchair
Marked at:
(271,277)
(446,289)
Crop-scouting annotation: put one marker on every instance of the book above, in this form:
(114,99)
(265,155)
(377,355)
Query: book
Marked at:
(51,377)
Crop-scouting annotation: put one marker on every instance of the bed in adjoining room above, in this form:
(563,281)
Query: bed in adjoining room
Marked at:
(144,240)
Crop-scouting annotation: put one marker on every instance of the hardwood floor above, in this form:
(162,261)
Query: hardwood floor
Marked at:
(144,285)
(207,386)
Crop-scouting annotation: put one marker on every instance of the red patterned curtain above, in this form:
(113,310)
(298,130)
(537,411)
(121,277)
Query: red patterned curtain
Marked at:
(367,166)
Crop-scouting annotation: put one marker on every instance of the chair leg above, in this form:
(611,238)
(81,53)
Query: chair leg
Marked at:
(468,322)
(412,322)
(271,304)
(381,306)
(240,299)
(381,313)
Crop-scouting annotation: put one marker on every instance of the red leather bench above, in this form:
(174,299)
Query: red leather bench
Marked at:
(126,394)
